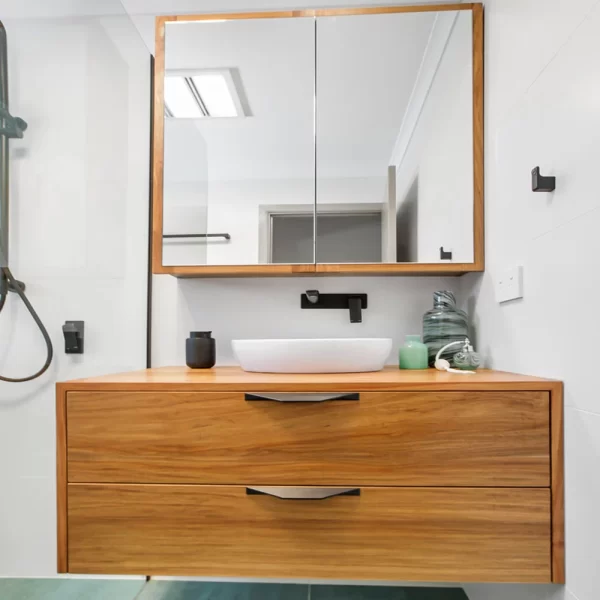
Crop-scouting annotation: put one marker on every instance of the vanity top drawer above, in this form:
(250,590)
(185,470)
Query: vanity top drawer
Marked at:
(371,438)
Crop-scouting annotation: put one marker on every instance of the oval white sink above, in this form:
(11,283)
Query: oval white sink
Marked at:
(334,355)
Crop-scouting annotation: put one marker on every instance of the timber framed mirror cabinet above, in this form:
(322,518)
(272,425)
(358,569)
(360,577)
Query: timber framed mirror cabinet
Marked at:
(319,141)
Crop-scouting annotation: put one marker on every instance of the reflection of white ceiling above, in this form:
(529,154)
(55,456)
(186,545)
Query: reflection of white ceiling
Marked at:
(366,70)
(275,62)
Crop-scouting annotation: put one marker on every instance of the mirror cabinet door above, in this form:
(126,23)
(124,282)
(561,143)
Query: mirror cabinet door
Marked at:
(394,138)
(239,162)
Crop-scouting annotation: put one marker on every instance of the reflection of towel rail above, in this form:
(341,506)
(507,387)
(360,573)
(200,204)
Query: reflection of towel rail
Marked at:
(197,235)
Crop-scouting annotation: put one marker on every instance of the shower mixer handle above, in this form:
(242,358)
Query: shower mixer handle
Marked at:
(73,332)
(21,123)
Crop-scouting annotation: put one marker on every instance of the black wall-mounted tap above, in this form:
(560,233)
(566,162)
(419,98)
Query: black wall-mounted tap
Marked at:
(355,306)
(353,302)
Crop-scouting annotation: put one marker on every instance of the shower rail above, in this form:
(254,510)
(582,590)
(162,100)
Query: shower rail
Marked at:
(12,127)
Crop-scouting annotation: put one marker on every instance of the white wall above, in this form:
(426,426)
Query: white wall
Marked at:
(542,101)
(79,206)
(234,208)
(440,155)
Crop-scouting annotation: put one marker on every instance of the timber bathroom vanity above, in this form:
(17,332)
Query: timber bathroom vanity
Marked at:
(386,476)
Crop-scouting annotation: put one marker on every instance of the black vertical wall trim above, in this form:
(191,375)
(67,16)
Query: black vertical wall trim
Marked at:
(150,198)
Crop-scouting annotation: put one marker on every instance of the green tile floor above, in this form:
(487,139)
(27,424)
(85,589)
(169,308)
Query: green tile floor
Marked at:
(70,589)
(112,589)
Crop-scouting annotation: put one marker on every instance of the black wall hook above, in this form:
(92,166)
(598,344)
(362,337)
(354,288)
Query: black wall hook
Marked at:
(445,254)
(540,183)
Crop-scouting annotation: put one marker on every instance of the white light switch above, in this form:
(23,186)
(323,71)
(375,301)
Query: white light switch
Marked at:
(509,284)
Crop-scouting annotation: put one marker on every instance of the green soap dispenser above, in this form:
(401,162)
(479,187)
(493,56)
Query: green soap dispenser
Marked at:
(413,355)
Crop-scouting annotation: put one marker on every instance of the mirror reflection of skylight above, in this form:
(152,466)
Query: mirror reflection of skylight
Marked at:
(216,94)
(202,94)
(179,101)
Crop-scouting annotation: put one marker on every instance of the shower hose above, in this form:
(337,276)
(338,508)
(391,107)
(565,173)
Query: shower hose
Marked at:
(7,280)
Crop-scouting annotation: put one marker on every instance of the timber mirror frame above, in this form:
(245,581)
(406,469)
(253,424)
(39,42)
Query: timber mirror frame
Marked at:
(263,270)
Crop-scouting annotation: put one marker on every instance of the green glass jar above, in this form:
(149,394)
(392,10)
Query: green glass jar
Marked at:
(413,355)
(443,324)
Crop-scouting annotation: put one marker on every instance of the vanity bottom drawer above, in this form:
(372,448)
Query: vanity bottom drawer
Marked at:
(419,534)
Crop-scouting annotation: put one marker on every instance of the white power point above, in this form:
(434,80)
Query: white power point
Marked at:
(509,284)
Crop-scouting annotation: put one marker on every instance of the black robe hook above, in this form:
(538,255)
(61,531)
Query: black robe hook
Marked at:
(541,183)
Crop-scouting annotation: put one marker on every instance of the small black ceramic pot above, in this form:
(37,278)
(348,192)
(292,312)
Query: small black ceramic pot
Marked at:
(200,350)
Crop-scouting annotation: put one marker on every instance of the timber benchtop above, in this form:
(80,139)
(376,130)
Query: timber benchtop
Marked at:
(235,379)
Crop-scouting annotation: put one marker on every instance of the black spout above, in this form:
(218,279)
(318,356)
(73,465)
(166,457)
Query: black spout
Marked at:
(355,306)
(355,303)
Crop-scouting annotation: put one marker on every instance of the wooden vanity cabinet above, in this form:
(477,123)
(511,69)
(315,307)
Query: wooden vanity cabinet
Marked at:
(399,476)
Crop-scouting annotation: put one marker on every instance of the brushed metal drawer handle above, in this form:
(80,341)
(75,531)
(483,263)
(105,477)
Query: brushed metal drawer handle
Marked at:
(301,493)
(300,397)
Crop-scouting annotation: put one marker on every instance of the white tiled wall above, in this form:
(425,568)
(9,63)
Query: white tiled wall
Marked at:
(543,108)
(79,206)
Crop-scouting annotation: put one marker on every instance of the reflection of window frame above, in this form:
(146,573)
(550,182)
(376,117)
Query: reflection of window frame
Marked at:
(268,211)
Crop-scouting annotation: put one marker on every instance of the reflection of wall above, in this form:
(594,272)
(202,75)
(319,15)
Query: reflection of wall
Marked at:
(441,154)
(234,208)
(79,234)
(407,226)
(185,192)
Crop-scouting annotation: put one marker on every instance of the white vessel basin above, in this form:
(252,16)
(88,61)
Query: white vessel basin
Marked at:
(334,355)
